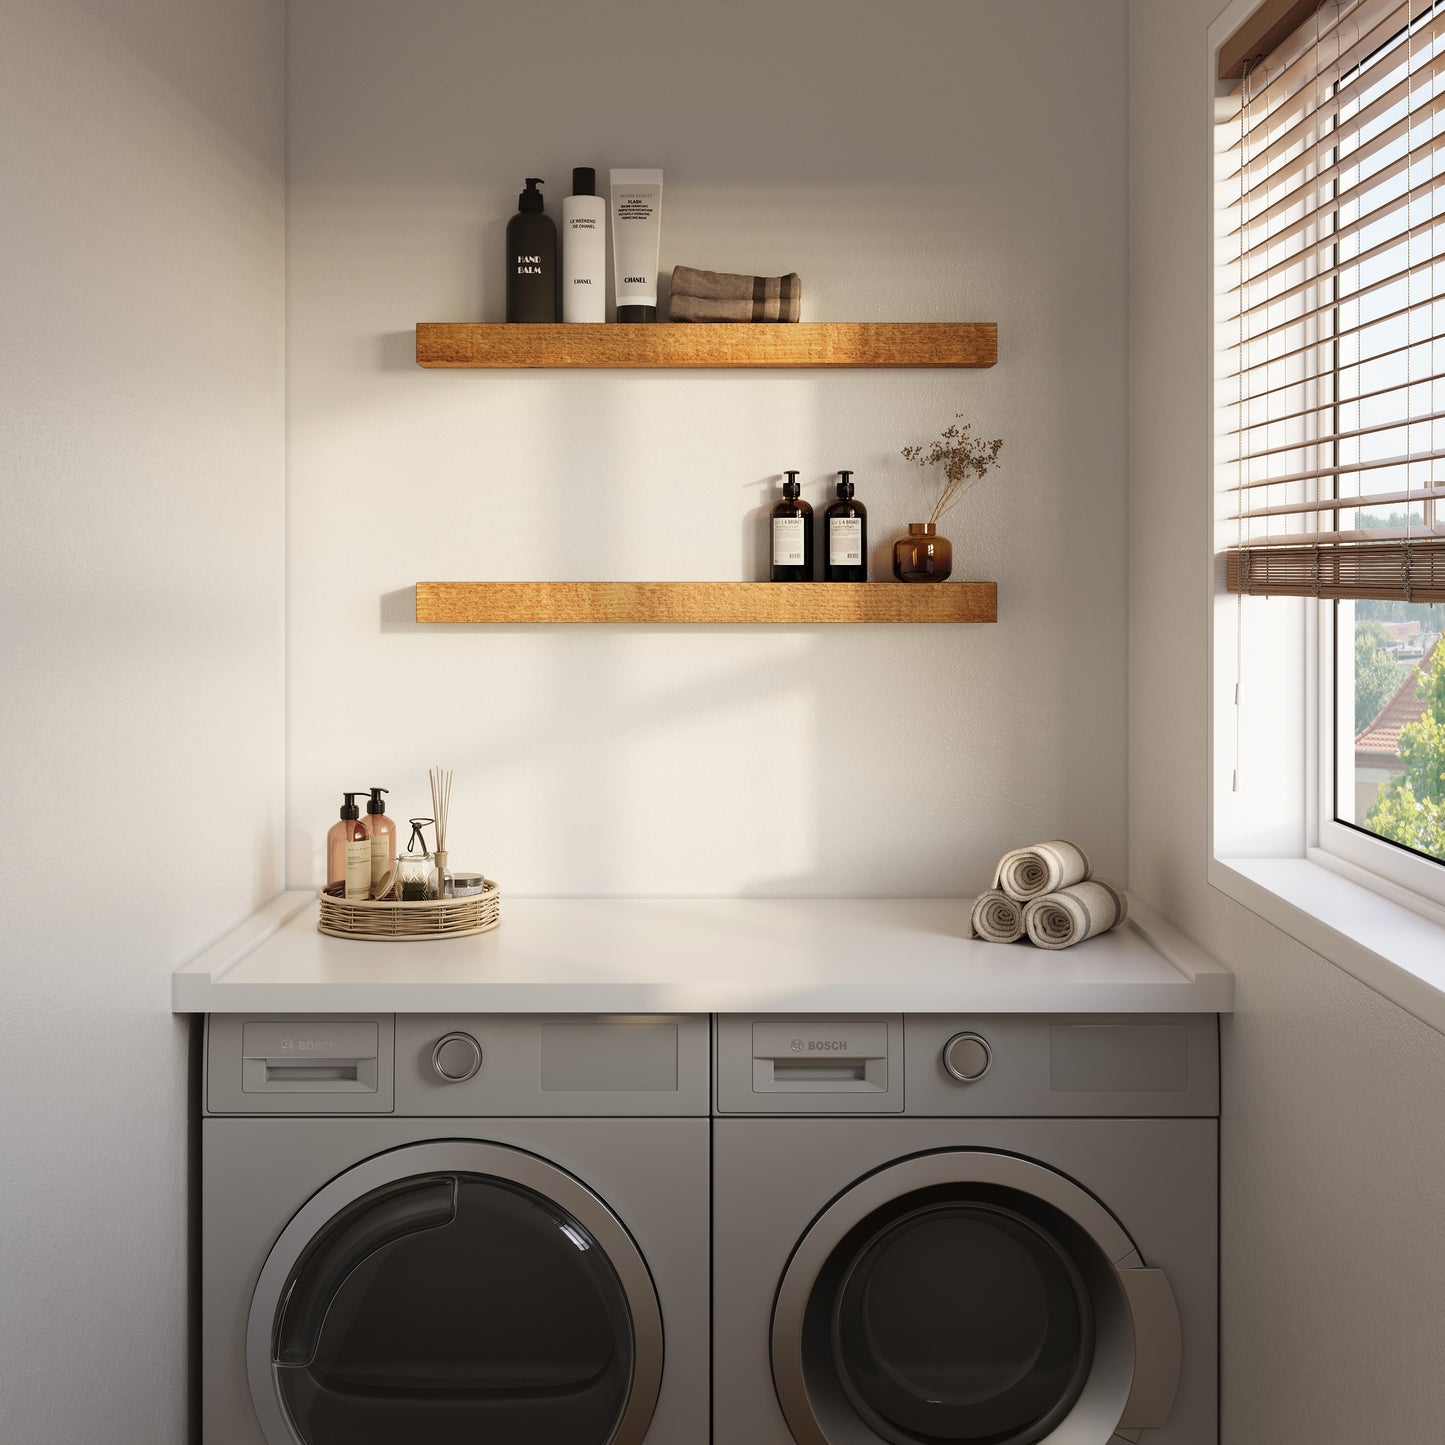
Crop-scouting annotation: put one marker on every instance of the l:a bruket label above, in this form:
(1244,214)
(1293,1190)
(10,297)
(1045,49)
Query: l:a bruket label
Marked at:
(845,541)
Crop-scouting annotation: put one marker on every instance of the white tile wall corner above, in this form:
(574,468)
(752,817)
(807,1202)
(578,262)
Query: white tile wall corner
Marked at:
(928,161)
(1333,1163)
(141,733)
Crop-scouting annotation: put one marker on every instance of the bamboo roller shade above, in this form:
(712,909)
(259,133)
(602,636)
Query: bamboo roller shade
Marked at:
(666,344)
(706,602)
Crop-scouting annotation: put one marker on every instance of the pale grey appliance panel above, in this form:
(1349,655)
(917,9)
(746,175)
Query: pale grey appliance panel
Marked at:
(1158,1177)
(1086,1065)
(298,1064)
(810,1064)
(652,1173)
(563,1065)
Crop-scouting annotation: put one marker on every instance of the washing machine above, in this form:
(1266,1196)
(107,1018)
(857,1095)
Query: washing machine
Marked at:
(455,1229)
(994,1230)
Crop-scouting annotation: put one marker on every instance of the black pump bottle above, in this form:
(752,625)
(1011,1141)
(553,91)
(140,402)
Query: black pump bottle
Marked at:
(532,277)
(845,536)
(790,534)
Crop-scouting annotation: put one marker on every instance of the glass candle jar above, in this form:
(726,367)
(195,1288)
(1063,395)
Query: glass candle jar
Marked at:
(465,885)
(416,877)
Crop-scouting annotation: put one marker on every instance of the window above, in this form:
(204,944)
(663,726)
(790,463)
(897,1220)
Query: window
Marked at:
(1389,752)
(1330,419)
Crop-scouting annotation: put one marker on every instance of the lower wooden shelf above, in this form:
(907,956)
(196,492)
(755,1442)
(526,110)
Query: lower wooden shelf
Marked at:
(737,344)
(708,602)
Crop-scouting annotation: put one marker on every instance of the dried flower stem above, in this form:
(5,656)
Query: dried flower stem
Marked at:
(964,460)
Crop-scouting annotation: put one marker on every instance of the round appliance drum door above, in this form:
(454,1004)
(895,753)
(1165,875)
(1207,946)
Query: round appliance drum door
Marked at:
(956,1298)
(961,1321)
(455,1292)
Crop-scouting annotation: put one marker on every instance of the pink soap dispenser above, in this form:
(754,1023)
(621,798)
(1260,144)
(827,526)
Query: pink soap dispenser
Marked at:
(383,840)
(348,852)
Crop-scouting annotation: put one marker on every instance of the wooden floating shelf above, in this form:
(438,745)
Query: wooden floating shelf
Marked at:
(727,344)
(706,602)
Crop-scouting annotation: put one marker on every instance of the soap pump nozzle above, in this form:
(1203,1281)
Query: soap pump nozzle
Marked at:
(375,805)
(845,484)
(790,487)
(531,198)
(349,810)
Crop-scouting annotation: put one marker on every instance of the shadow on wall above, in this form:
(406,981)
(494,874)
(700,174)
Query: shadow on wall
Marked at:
(625,714)
(798,677)
(396,350)
(398,611)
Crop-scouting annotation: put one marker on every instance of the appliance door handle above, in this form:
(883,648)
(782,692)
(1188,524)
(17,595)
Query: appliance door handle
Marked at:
(1158,1348)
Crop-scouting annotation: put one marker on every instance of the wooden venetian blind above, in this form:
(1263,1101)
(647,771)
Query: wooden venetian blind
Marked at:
(1331,370)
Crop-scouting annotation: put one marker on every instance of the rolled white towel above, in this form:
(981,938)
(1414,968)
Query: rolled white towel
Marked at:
(1043,868)
(996,918)
(1073,914)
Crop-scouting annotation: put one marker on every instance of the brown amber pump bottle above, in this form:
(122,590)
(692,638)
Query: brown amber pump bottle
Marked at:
(791,535)
(348,852)
(845,536)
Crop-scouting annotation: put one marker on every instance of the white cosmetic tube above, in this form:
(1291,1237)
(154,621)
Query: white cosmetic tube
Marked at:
(636,235)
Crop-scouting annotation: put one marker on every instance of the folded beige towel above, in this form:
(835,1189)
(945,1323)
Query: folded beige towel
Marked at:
(1043,868)
(996,918)
(723,296)
(1062,919)
(697,308)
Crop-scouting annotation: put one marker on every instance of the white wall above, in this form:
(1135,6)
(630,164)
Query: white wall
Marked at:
(916,161)
(141,581)
(1333,1167)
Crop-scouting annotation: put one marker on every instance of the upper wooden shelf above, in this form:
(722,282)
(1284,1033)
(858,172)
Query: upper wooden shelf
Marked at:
(706,602)
(740,344)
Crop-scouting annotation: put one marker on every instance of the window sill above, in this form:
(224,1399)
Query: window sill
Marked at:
(1395,951)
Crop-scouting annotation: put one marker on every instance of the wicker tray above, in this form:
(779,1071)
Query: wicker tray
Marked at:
(432,918)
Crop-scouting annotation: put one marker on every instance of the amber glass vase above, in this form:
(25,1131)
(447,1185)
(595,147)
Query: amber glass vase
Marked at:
(922,556)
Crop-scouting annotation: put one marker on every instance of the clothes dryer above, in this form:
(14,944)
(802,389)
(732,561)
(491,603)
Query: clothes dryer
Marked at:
(455,1229)
(966,1231)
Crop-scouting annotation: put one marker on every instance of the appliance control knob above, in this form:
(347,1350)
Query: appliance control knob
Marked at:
(967,1057)
(456,1058)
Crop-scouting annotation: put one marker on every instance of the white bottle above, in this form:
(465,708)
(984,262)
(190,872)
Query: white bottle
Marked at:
(584,250)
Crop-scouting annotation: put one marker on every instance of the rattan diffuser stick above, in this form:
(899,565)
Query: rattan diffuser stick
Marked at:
(441,801)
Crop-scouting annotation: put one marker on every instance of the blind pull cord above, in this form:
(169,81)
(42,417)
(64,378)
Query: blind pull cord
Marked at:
(1334,285)
(1242,580)
(1407,560)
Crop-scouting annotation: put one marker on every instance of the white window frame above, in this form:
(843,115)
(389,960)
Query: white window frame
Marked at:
(1367,906)
(1412,880)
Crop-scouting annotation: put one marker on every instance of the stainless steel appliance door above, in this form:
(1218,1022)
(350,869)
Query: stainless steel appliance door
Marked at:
(972,1297)
(454,1291)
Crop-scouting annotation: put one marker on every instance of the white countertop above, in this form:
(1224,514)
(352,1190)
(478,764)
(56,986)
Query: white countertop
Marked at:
(723,955)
